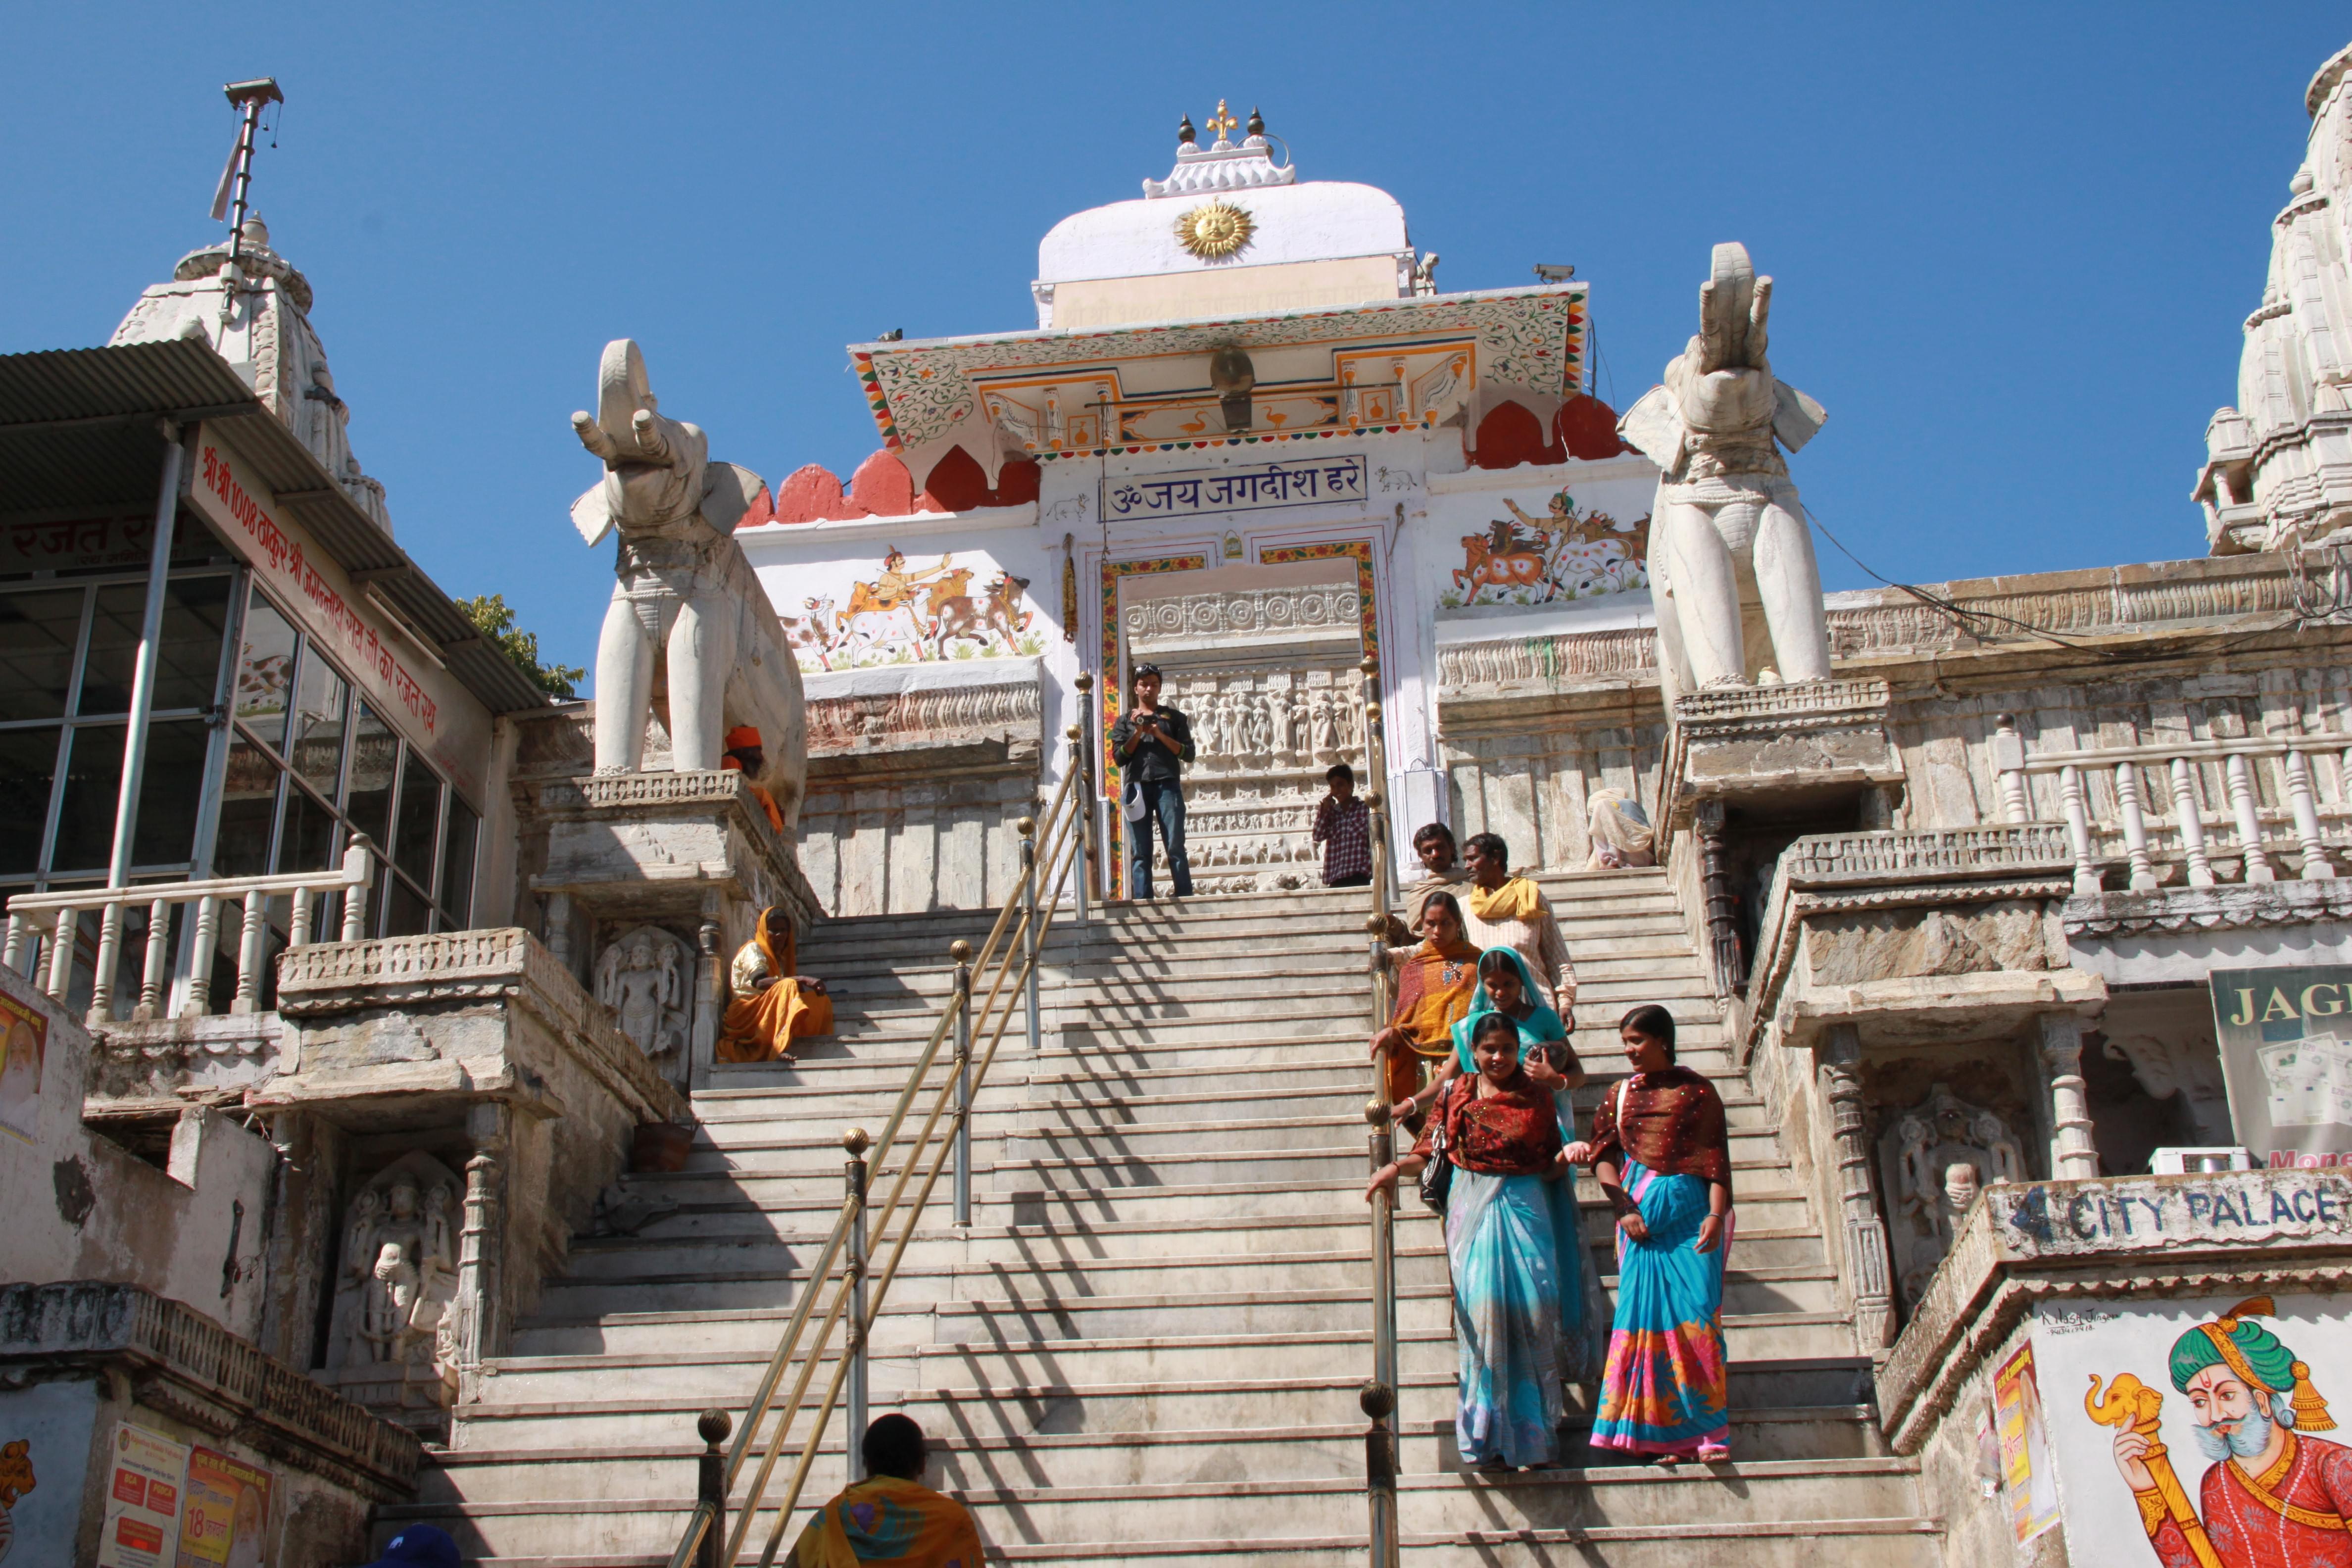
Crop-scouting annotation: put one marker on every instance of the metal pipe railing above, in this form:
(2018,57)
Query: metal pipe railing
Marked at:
(21,950)
(843,1291)
(1377,1398)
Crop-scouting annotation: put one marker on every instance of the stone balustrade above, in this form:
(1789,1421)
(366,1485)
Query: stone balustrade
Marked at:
(2243,808)
(50,953)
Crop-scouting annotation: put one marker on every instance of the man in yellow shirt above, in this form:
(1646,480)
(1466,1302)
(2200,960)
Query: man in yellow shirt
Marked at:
(890,1515)
(1501,910)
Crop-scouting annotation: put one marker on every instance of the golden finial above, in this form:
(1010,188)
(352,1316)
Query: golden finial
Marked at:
(1222,121)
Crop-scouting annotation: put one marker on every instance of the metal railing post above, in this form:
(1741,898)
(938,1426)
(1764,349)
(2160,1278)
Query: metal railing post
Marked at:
(1081,818)
(961,953)
(854,1269)
(710,1484)
(1083,755)
(1378,1401)
(1378,1398)
(1027,828)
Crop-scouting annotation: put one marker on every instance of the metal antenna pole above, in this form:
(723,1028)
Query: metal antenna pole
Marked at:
(248,96)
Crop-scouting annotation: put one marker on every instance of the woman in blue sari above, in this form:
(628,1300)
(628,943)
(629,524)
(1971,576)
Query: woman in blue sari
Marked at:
(1662,1151)
(1510,1242)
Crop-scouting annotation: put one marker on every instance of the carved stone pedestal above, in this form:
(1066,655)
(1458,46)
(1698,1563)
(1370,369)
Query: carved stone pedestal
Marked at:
(1818,743)
(651,879)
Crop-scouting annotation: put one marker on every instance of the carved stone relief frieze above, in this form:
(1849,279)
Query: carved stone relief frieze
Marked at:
(1263,738)
(645,977)
(1933,1159)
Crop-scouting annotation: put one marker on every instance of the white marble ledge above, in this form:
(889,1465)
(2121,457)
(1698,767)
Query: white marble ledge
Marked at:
(1539,476)
(927,675)
(785,542)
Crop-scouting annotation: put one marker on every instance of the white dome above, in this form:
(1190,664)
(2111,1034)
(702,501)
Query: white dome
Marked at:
(1321,220)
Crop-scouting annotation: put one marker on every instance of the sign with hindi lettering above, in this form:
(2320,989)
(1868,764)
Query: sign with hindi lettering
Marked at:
(424,702)
(2285,1036)
(1308,481)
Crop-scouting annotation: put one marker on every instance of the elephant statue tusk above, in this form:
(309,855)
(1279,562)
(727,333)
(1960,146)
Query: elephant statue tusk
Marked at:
(650,440)
(592,436)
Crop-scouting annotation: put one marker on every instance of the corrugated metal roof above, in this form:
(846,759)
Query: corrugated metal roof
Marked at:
(70,437)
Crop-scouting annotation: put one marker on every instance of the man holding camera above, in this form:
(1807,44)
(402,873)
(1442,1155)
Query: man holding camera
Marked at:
(1151,742)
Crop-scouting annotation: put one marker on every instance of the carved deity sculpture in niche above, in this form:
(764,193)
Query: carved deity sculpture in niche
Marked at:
(399,1268)
(1934,1159)
(645,977)
(1732,560)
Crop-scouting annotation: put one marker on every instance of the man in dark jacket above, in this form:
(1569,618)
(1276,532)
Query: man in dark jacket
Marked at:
(1151,742)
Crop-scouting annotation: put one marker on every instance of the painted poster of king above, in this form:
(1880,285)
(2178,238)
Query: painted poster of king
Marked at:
(2189,1433)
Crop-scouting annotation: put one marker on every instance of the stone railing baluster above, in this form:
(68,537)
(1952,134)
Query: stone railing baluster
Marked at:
(201,953)
(2250,824)
(61,947)
(2305,806)
(152,971)
(103,973)
(248,952)
(2192,825)
(13,954)
(2078,829)
(2008,765)
(2135,820)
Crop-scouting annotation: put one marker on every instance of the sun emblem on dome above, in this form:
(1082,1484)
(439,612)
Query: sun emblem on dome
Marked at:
(1214,231)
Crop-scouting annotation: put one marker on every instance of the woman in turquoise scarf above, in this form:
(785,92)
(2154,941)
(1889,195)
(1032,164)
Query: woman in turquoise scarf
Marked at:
(1513,1287)
(1507,990)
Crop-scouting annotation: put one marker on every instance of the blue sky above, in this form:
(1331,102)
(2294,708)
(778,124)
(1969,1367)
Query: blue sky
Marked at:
(2013,244)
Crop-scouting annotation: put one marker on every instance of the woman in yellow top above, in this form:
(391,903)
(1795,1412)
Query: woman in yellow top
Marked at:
(891,1517)
(773,1006)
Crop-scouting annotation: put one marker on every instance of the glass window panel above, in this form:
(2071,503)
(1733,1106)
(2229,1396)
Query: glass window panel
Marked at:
(376,763)
(187,658)
(308,843)
(405,912)
(93,785)
(37,632)
(28,762)
(457,864)
(169,793)
(187,662)
(316,746)
(265,674)
(248,807)
(413,838)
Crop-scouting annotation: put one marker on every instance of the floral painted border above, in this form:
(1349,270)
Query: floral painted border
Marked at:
(1114,695)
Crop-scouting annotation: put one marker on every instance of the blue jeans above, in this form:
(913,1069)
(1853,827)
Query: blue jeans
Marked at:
(1165,801)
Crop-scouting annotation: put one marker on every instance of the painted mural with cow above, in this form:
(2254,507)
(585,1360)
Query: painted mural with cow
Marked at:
(962,605)
(1551,549)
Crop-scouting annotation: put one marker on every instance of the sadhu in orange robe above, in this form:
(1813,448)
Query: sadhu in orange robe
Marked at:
(760,1025)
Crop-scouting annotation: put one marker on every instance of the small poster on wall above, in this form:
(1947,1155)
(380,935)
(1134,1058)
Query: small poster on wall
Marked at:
(2286,1060)
(143,1490)
(2029,1470)
(227,1521)
(23,1047)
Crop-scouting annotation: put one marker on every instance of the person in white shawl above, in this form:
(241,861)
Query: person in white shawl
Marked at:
(1622,835)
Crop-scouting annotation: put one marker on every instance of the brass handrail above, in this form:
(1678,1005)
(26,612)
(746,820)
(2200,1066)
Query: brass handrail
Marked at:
(1378,1398)
(1060,839)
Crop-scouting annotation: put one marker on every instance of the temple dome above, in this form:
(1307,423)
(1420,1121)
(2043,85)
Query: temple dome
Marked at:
(1228,233)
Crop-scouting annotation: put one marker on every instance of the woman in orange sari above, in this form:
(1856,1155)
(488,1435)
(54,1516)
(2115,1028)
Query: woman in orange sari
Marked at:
(773,1006)
(1434,984)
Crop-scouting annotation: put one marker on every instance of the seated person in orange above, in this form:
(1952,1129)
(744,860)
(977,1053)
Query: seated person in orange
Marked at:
(773,1006)
(745,755)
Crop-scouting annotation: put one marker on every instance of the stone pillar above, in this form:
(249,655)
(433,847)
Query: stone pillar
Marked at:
(2071,1154)
(304,1233)
(1867,1269)
(710,997)
(1729,969)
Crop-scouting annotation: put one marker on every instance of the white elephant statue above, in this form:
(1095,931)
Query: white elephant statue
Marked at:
(690,634)
(1731,560)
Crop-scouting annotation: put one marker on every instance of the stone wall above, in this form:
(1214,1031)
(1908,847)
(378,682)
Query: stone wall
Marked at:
(914,789)
(190,1225)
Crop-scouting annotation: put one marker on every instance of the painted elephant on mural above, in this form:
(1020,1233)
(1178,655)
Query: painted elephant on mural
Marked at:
(690,635)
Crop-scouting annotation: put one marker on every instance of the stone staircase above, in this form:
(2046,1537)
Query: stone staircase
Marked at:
(1148,1345)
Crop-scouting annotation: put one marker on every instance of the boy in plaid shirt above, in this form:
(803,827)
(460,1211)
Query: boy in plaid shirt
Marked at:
(1343,826)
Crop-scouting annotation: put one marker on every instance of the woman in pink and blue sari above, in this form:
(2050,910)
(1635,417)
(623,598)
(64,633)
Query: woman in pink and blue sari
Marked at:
(1662,1152)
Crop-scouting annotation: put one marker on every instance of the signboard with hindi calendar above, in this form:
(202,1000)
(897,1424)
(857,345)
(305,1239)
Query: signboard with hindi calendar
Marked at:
(2286,1037)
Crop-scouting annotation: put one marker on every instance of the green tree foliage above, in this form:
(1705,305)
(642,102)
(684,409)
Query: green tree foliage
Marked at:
(491,613)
